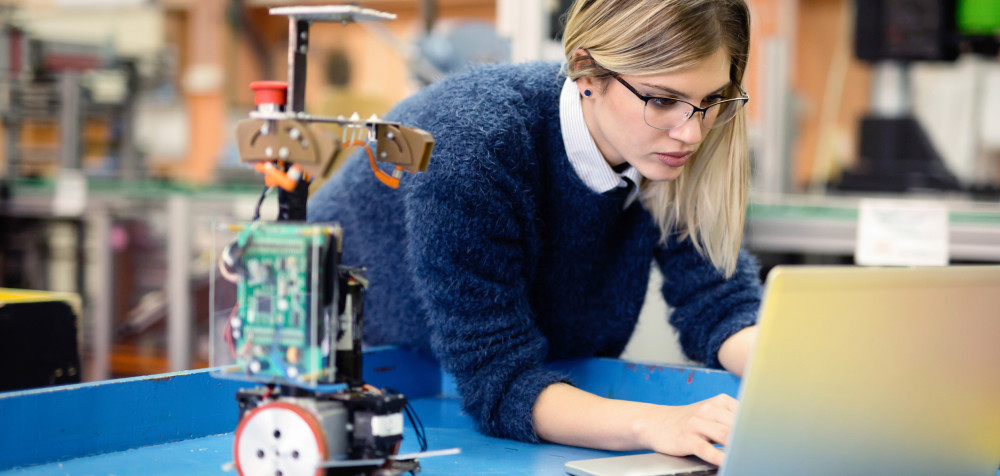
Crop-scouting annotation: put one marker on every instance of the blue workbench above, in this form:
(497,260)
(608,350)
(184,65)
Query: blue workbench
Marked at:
(182,423)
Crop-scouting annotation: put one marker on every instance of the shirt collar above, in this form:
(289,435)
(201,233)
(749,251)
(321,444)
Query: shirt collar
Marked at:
(583,153)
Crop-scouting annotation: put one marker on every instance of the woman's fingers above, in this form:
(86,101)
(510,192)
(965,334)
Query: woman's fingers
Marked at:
(708,452)
(715,432)
(720,409)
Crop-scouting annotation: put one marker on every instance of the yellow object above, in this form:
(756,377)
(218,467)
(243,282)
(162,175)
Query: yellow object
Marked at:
(12,296)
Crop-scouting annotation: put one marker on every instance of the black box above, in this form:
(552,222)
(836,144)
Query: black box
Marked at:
(38,339)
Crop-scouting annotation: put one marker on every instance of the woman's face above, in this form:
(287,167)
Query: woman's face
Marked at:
(614,116)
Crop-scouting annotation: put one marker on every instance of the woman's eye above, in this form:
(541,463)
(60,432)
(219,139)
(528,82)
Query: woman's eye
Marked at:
(663,102)
(712,100)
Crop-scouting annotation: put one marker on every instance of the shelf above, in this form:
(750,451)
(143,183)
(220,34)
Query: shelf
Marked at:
(828,225)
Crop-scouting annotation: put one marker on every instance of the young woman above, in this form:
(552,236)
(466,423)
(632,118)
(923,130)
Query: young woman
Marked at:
(551,191)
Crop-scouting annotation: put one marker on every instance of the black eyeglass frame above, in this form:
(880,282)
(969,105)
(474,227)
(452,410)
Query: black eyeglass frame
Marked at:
(745,98)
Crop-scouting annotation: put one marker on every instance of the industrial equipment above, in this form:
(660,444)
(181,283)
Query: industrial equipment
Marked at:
(896,154)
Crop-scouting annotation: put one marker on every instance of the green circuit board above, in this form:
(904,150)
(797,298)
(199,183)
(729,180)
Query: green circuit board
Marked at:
(278,332)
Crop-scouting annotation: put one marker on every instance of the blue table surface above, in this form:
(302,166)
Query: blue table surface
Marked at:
(446,428)
(182,423)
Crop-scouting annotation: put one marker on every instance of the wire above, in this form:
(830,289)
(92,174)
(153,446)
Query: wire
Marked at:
(228,332)
(260,201)
(388,180)
(418,426)
(415,422)
(228,266)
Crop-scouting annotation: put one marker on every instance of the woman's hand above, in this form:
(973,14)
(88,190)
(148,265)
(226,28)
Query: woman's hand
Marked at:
(690,429)
(570,416)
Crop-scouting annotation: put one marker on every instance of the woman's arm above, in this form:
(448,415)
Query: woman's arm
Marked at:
(567,415)
(570,416)
(710,310)
(472,242)
(735,351)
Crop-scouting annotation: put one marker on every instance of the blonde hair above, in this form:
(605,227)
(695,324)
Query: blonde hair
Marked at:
(707,202)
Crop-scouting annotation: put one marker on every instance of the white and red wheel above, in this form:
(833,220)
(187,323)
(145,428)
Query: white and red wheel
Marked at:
(281,439)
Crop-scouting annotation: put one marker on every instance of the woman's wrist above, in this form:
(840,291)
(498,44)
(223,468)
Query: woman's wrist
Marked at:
(735,351)
(644,424)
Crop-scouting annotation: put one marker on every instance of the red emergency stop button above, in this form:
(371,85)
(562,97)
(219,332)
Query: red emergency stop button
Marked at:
(269,92)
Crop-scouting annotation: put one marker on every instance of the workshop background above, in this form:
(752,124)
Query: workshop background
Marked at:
(118,156)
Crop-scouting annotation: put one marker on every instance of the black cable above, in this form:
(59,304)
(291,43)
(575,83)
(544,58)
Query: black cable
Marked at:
(415,422)
(418,426)
(260,201)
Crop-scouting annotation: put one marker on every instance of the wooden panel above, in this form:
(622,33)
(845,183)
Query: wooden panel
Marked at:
(833,88)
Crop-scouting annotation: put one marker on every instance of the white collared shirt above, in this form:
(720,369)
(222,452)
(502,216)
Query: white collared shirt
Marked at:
(583,154)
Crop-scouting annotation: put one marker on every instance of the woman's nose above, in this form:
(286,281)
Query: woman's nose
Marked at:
(690,132)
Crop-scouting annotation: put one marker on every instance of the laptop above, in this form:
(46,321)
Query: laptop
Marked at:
(862,371)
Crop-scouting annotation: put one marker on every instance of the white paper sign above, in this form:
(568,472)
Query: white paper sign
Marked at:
(70,197)
(901,233)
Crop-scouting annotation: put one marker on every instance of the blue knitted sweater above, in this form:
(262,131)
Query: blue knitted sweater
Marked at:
(499,258)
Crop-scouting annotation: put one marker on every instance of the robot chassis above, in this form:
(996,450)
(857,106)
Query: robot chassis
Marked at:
(298,319)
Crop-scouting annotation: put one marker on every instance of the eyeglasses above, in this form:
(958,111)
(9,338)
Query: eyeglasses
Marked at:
(670,113)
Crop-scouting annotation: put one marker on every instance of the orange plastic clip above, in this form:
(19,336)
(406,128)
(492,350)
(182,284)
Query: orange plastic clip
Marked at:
(275,177)
(388,180)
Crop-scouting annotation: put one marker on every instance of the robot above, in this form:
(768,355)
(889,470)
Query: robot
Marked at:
(297,324)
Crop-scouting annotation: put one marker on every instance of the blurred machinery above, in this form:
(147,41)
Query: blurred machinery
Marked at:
(896,154)
(70,86)
(296,325)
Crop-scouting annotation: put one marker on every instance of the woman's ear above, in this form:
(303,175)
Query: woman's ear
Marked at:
(585,83)
(580,53)
(586,86)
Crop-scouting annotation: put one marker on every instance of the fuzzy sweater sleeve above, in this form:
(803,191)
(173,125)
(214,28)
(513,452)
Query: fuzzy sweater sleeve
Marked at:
(469,221)
(708,308)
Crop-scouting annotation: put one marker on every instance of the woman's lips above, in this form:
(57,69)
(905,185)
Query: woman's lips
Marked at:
(673,159)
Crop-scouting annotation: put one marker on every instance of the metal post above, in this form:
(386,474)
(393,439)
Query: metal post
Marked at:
(298,46)
(11,125)
(100,291)
(129,164)
(891,90)
(10,167)
(69,120)
(773,159)
(178,282)
(771,175)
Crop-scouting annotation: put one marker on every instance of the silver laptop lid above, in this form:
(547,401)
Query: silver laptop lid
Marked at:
(873,371)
